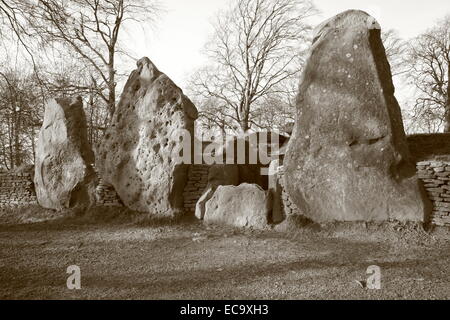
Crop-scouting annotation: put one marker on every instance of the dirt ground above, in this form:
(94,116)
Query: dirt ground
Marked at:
(124,257)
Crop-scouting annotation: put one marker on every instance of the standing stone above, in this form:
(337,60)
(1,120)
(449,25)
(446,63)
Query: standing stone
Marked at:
(64,177)
(348,159)
(139,151)
(246,205)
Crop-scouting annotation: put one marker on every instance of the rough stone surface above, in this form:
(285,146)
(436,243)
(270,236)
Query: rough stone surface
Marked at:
(64,177)
(218,175)
(246,205)
(196,185)
(348,159)
(200,207)
(137,155)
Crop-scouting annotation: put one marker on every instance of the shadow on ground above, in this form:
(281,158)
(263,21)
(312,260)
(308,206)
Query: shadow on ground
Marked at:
(124,257)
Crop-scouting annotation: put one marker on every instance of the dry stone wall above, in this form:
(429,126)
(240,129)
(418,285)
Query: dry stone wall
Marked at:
(196,185)
(435,176)
(16,190)
(106,195)
(287,206)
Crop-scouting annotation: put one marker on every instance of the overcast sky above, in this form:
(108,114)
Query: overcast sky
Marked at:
(178,37)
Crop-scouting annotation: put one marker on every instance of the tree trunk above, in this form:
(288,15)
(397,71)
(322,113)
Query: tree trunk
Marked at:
(244,125)
(111,84)
(33,144)
(91,117)
(243,116)
(17,146)
(447,105)
(447,119)
(223,131)
(10,143)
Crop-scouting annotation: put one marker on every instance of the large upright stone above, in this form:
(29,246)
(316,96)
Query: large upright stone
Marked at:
(348,159)
(64,177)
(139,151)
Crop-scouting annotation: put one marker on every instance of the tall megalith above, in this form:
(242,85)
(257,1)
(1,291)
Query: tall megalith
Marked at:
(64,177)
(348,159)
(139,151)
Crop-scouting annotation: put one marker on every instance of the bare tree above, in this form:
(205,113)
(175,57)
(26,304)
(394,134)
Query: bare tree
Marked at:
(69,79)
(22,101)
(213,115)
(429,62)
(255,50)
(75,48)
(396,49)
(11,16)
(91,29)
(275,113)
(21,115)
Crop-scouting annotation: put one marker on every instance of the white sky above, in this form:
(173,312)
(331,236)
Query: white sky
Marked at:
(179,35)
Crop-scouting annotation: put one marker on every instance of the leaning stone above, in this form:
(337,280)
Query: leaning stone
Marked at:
(201,203)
